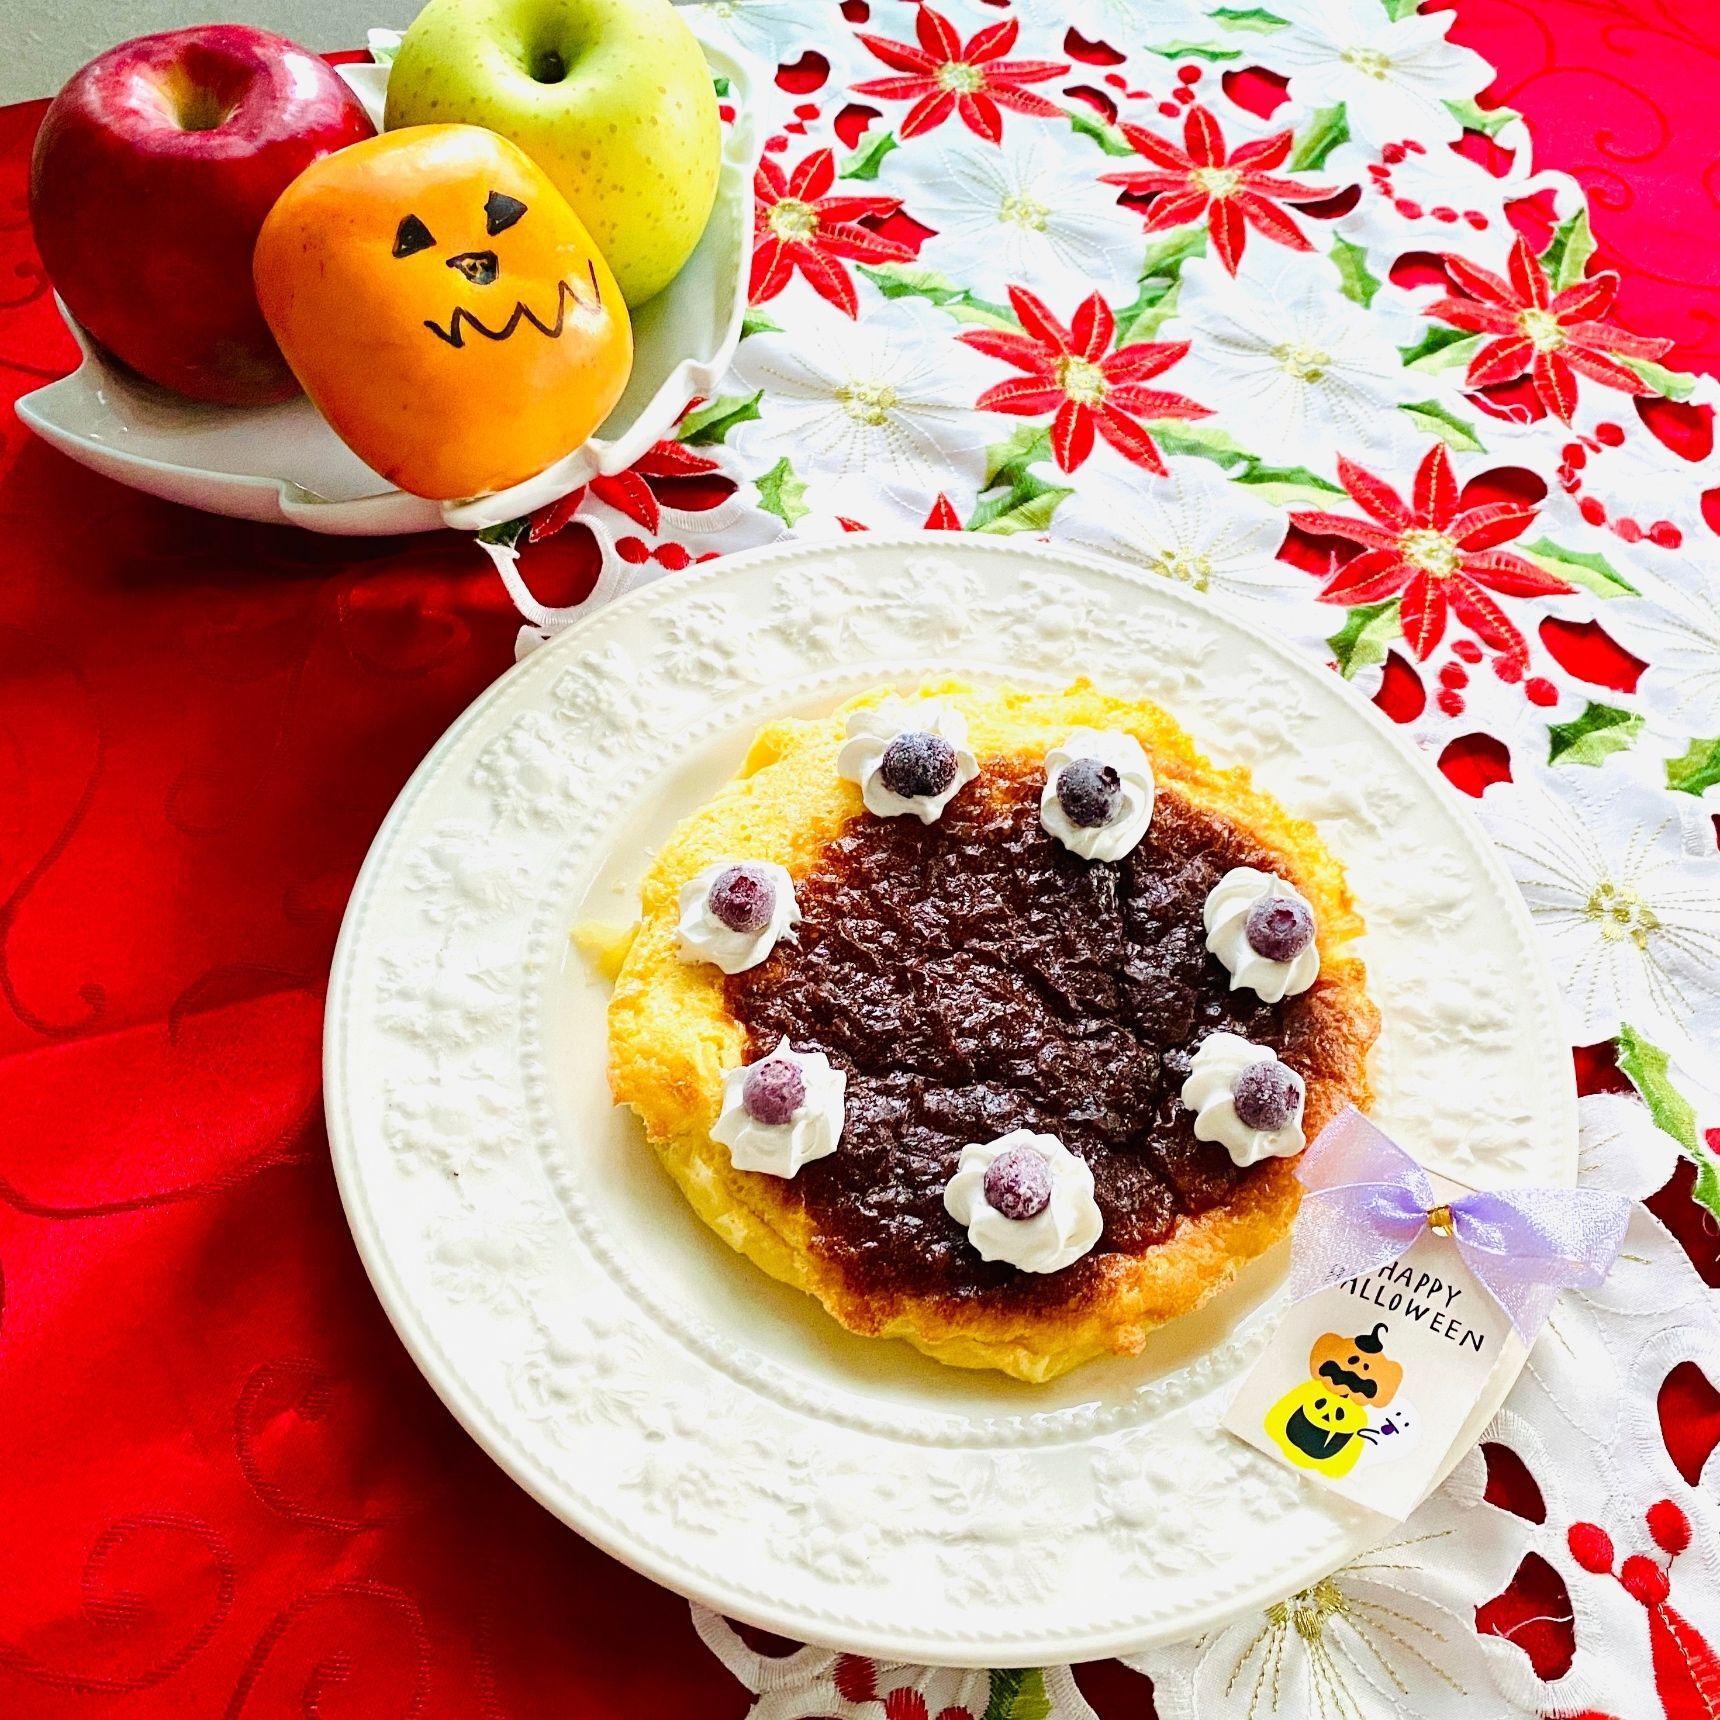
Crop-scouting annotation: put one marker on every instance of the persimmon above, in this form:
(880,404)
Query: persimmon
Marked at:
(444,308)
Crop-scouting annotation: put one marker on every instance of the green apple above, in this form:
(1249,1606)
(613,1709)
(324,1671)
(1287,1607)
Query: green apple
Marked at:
(611,98)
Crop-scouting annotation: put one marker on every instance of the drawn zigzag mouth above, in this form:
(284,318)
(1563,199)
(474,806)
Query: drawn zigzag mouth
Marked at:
(566,293)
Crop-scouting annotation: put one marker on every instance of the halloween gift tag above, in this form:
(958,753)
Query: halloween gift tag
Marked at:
(1366,1386)
(1408,1293)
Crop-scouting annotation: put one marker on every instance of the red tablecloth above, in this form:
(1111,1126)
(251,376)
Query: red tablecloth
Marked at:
(226,1489)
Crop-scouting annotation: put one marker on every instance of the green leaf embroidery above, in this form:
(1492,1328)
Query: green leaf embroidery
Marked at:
(968,309)
(865,161)
(1358,282)
(757,322)
(1696,769)
(1195,51)
(1566,258)
(1006,462)
(1594,736)
(1473,117)
(1579,567)
(1255,18)
(1018,1695)
(1442,422)
(1396,9)
(1031,514)
(1154,306)
(1164,260)
(1442,349)
(909,280)
(1285,484)
(781,493)
(1274,483)
(1108,137)
(508,533)
(1674,384)
(1161,282)
(384,45)
(720,85)
(713,421)
(1369,631)
(1015,498)
(1326,130)
(1646,1066)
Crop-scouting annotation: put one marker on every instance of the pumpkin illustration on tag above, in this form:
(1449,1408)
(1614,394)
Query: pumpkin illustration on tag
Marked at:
(444,308)
(1322,1423)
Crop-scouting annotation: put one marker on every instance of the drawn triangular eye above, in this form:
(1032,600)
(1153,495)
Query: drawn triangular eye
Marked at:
(412,236)
(501,211)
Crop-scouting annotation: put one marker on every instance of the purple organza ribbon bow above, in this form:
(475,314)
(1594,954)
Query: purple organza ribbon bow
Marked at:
(1367,1200)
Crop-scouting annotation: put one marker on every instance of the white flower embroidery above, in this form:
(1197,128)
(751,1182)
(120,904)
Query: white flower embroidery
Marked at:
(877,416)
(1390,1634)
(1014,212)
(1620,1148)
(1629,922)
(773,30)
(1194,527)
(1122,24)
(1394,78)
(1677,632)
(1296,371)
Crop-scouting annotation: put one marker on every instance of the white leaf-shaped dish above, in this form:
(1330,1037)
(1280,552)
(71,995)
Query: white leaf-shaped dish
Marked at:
(282,462)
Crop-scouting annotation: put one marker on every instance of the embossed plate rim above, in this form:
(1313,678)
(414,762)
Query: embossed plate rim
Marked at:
(915,1619)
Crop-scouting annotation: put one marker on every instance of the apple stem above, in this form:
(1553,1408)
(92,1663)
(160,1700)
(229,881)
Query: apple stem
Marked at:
(549,67)
(197,108)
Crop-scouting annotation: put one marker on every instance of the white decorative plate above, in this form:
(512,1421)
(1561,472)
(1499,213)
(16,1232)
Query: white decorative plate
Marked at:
(702,1422)
(282,462)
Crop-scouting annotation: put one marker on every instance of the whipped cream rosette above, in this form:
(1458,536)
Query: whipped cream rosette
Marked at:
(908,757)
(1098,796)
(733,914)
(1027,1199)
(1262,929)
(781,1112)
(1245,1099)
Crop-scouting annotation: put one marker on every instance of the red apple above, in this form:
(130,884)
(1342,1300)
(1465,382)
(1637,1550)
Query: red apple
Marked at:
(153,171)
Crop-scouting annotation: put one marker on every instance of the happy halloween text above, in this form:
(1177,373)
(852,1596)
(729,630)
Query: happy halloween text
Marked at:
(1429,1287)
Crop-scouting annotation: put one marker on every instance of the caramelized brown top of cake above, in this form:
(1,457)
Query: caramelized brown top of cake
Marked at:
(971,977)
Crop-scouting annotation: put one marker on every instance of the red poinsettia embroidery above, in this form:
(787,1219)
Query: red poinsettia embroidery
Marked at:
(1439,557)
(1234,189)
(1069,371)
(1686,1668)
(630,492)
(797,224)
(1550,337)
(944,75)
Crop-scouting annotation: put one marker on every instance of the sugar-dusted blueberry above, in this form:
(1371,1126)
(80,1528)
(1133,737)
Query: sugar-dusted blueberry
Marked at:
(743,898)
(1279,927)
(1089,793)
(1266,1095)
(773,1091)
(1018,1183)
(917,765)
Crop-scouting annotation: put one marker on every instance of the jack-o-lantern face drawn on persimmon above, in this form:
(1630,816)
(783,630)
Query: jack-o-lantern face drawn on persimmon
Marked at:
(484,269)
(445,309)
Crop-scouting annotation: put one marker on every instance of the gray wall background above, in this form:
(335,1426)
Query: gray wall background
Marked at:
(52,38)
